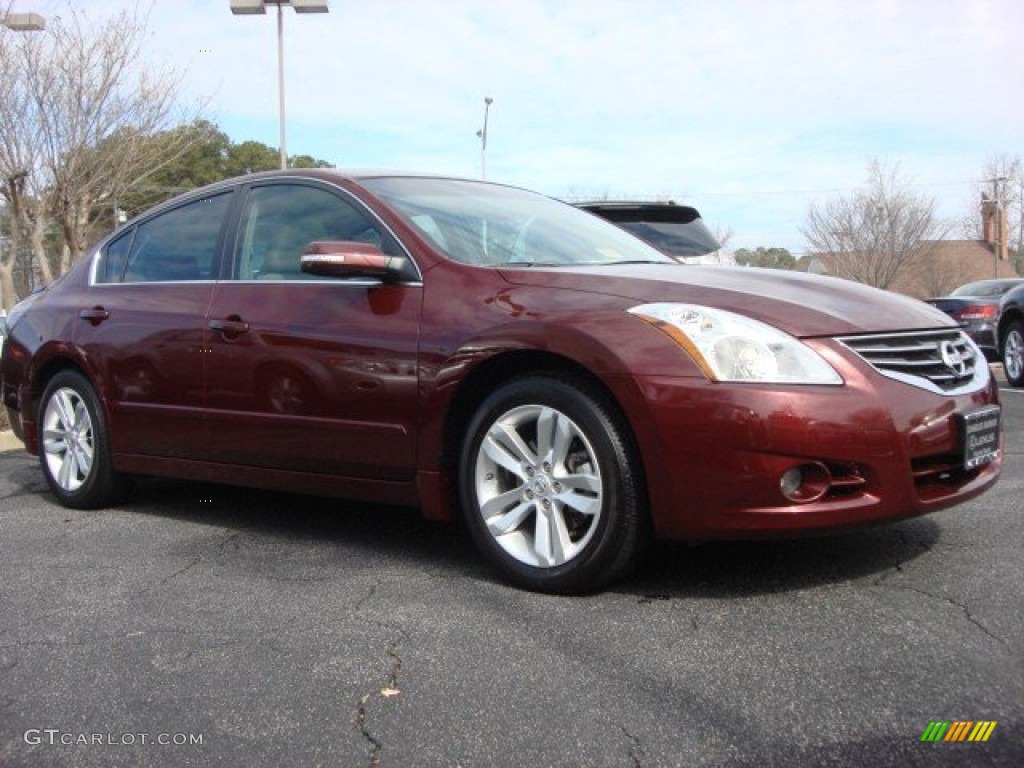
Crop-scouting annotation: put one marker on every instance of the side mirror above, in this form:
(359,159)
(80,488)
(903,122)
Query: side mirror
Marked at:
(340,258)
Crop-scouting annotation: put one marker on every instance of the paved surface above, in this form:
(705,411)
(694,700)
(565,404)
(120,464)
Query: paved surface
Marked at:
(281,631)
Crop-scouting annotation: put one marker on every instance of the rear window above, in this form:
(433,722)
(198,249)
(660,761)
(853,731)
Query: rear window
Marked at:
(676,230)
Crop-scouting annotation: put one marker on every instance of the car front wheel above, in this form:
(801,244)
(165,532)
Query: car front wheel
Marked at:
(1013,354)
(550,486)
(74,451)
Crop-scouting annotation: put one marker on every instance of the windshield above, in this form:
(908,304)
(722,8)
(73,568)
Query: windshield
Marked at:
(491,225)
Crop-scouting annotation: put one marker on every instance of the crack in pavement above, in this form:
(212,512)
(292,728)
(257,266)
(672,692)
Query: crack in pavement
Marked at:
(229,539)
(195,560)
(906,541)
(636,749)
(163,582)
(966,611)
(897,568)
(391,687)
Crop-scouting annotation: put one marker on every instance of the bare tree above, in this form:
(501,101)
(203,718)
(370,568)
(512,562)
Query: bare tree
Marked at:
(83,120)
(20,147)
(101,112)
(876,234)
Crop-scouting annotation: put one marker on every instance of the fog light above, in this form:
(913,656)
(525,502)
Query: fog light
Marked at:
(805,482)
(791,481)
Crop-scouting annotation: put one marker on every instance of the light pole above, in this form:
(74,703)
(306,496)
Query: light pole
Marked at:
(482,133)
(997,223)
(251,7)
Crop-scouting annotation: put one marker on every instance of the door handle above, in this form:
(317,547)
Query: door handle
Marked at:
(94,315)
(230,326)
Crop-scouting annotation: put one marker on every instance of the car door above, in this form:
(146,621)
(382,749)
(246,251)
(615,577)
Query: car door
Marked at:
(308,373)
(143,328)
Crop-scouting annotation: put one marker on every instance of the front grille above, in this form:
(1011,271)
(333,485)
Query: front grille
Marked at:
(939,361)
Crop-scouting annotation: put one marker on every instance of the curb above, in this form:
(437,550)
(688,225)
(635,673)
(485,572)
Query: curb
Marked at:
(8,442)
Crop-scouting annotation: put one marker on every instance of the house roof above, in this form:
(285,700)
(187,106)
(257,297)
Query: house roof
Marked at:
(951,263)
(948,264)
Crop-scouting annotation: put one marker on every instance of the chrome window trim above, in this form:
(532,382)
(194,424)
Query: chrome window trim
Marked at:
(362,282)
(237,185)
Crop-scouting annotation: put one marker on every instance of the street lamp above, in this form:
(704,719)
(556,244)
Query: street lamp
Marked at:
(24,22)
(482,133)
(250,7)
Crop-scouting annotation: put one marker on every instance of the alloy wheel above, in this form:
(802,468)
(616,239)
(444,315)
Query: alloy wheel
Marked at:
(538,485)
(68,442)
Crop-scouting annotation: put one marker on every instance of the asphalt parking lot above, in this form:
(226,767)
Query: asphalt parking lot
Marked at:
(206,625)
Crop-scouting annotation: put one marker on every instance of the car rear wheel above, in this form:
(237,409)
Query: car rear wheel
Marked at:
(74,451)
(550,486)
(1013,354)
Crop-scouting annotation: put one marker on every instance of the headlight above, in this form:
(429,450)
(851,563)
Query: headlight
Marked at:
(731,347)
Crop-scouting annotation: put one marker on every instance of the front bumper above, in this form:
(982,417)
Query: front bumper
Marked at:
(717,452)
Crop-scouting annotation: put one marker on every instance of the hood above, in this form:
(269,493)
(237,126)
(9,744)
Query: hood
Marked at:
(798,303)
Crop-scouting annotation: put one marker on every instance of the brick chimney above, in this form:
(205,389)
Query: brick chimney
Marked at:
(994,228)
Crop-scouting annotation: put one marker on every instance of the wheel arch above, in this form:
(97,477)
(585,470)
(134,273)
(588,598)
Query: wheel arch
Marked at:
(39,377)
(621,396)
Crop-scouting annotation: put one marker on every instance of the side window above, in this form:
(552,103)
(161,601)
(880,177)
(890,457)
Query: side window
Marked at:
(113,258)
(178,245)
(280,220)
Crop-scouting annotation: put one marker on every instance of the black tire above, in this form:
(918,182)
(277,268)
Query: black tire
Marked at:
(572,524)
(1012,353)
(74,449)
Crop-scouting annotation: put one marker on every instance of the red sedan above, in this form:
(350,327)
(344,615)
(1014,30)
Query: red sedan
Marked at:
(483,351)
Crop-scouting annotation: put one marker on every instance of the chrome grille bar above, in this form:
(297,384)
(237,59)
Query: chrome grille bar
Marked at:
(943,361)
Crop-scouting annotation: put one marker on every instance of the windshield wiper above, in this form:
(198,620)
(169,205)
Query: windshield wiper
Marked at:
(531,264)
(631,261)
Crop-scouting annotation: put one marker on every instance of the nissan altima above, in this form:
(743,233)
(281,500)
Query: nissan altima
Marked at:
(490,354)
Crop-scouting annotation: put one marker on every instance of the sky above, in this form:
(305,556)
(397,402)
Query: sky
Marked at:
(749,110)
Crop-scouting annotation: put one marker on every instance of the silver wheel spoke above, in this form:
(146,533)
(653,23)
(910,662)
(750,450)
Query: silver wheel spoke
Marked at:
(507,449)
(68,473)
(65,408)
(499,525)
(498,505)
(551,538)
(54,441)
(81,416)
(83,456)
(588,502)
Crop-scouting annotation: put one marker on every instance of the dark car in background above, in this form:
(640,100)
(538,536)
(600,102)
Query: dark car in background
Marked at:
(1011,334)
(479,350)
(975,306)
(676,230)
